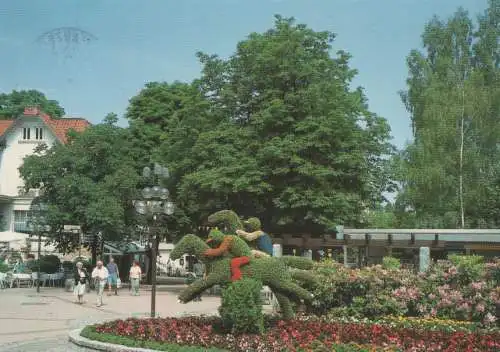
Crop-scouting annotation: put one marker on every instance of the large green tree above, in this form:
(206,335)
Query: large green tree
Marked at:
(284,136)
(90,181)
(12,104)
(165,122)
(450,172)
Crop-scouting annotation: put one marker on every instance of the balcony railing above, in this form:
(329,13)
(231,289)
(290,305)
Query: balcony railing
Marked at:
(32,192)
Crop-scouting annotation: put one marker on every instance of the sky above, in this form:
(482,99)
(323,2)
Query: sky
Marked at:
(119,45)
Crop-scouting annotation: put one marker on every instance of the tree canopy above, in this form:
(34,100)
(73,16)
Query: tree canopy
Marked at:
(277,131)
(90,181)
(450,173)
(13,104)
(274,131)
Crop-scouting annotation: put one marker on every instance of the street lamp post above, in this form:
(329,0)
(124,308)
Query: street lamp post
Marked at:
(155,201)
(37,219)
(77,231)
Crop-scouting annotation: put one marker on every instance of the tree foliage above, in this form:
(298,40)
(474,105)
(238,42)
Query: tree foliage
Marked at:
(274,131)
(13,104)
(89,181)
(165,122)
(277,132)
(450,172)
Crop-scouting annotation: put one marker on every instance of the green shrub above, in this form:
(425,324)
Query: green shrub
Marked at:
(494,272)
(391,263)
(241,307)
(49,264)
(470,268)
(70,266)
(4,267)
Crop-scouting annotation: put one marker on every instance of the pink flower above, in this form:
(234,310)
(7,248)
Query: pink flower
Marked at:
(489,318)
(477,285)
(464,306)
(480,308)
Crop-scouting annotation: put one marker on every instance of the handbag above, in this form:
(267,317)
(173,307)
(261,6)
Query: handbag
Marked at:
(118,283)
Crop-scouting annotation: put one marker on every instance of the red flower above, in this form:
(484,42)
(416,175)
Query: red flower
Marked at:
(298,335)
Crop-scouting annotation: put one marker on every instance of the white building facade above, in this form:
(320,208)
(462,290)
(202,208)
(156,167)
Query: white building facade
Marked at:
(18,138)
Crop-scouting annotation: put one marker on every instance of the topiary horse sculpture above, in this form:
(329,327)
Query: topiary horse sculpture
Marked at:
(272,272)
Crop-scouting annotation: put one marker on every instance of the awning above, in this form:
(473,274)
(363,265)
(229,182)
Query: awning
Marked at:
(122,248)
(11,236)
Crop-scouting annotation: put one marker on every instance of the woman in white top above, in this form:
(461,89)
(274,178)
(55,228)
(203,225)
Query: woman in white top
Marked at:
(135,277)
(81,277)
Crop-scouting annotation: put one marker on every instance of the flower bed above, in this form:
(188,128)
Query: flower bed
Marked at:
(464,288)
(297,335)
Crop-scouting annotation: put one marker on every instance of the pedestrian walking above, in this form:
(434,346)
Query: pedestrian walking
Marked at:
(135,277)
(113,275)
(100,275)
(81,277)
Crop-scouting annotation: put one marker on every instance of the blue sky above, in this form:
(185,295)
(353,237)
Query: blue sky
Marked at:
(155,40)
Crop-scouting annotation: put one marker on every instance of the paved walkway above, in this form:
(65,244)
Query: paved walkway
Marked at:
(32,322)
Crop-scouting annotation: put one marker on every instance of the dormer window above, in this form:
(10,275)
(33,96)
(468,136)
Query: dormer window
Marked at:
(38,133)
(26,133)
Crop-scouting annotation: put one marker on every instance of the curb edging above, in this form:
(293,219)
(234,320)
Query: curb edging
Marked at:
(75,338)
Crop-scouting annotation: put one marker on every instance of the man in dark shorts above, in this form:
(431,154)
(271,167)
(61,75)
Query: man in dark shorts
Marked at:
(113,276)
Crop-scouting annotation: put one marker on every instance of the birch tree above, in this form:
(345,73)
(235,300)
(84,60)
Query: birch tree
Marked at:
(450,175)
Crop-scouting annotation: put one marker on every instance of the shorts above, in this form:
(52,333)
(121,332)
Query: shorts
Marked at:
(112,279)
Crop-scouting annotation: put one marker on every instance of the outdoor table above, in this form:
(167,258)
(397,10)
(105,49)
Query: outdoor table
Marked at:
(18,277)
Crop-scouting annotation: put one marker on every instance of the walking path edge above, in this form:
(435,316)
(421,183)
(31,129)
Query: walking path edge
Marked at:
(76,339)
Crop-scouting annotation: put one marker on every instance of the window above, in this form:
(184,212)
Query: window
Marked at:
(38,133)
(21,220)
(26,133)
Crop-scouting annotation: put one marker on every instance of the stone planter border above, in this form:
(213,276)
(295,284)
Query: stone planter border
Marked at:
(76,339)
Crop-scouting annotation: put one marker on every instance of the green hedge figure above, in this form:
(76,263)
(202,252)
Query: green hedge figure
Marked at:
(232,246)
(272,272)
(227,220)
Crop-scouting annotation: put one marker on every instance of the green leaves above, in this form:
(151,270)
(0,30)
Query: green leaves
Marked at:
(283,135)
(12,104)
(448,172)
(90,182)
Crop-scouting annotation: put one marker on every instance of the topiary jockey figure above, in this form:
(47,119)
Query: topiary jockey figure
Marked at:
(255,235)
(229,245)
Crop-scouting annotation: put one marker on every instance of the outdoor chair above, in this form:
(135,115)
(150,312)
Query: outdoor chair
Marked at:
(3,281)
(60,278)
(34,279)
(44,277)
(19,279)
(267,295)
(53,278)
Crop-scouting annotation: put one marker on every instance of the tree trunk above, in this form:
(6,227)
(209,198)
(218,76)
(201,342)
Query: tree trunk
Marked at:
(461,176)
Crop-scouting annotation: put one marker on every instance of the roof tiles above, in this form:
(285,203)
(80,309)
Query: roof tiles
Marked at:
(60,127)
(4,125)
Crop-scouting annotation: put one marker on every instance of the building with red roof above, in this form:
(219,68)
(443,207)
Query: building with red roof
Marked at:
(18,138)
